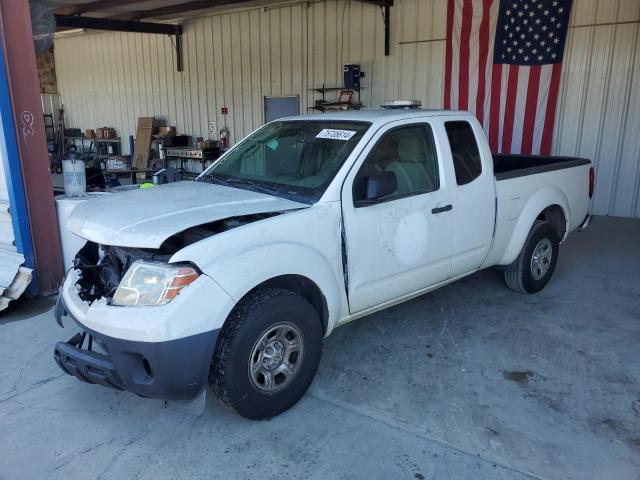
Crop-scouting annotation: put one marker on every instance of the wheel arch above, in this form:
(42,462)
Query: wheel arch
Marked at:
(303,286)
(548,204)
(555,215)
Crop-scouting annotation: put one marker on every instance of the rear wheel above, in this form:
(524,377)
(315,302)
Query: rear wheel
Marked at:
(268,353)
(533,268)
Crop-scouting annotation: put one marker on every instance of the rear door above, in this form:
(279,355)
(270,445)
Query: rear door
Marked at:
(401,243)
(474,195)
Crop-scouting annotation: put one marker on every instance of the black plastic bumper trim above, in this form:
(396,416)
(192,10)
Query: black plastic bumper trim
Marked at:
(90,367)
(172,370)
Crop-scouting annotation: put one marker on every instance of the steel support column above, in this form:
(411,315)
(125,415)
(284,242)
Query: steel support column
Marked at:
(385,8)
(17,39)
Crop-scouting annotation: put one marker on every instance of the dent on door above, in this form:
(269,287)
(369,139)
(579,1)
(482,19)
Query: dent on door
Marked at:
(398,246)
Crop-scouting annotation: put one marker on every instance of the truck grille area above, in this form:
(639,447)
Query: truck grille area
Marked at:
(103,266)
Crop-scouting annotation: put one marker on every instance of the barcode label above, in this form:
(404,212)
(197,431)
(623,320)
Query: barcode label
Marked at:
(333,134)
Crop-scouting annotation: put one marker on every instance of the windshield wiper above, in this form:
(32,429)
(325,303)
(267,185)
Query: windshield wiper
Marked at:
(213,179)
(246,183)
(258,186)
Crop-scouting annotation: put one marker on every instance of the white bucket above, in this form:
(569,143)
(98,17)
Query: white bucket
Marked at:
(70,242)
(75,178)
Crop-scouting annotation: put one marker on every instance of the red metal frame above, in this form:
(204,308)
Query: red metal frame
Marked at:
(15,28)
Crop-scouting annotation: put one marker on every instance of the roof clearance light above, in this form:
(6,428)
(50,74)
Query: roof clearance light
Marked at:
(406,104)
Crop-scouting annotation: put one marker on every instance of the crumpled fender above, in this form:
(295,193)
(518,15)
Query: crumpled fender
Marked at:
(304,242)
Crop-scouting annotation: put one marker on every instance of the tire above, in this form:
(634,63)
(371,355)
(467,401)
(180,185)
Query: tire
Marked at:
(525,275)
(245,373)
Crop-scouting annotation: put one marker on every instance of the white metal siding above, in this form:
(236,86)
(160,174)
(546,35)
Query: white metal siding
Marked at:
(599,102)
(14,278)
(234,59)
(6,226)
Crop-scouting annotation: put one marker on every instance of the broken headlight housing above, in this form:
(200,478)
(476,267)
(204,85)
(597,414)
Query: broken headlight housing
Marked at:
(152,283)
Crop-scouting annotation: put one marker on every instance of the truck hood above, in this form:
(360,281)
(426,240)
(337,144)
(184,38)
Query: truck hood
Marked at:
(144,218)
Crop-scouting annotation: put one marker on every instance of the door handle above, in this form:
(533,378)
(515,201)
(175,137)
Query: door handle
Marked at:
(446,208)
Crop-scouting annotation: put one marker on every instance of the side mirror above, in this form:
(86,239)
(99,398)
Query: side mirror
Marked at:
(380,185)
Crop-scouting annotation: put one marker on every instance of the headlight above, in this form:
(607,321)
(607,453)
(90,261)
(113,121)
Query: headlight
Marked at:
(152,283)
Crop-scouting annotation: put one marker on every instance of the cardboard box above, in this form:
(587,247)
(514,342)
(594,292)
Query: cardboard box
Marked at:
(90,133)
(106,132)
(142,146)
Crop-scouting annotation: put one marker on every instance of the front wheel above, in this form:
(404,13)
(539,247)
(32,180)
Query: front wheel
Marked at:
(533,268)
(268,353)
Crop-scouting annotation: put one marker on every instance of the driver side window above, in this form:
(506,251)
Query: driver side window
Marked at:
(409,153)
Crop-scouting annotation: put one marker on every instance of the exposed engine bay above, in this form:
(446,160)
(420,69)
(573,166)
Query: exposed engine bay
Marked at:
(103,266)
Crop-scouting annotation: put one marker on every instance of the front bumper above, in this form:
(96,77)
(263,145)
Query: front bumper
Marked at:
(172,370)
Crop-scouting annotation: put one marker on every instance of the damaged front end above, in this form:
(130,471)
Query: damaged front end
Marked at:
(143,350)
(102,267)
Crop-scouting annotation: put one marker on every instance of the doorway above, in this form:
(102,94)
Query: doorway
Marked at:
(279,107)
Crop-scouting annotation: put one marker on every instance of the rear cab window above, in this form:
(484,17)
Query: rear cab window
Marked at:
(464,151)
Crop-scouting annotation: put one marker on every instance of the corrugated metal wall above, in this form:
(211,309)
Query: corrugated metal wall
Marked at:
(236,58)
(599,108)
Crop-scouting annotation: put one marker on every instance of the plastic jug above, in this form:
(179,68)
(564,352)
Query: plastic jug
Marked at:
(75,177)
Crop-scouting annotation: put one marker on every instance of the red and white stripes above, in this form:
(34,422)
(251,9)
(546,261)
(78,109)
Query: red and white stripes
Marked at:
(515,104)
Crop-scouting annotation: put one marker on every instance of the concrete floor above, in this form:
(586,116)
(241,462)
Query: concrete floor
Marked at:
(471,381)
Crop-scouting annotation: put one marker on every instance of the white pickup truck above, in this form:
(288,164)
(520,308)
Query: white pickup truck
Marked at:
(310,222)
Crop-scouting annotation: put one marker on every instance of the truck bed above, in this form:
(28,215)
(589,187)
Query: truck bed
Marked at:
(512,166)
(526,185)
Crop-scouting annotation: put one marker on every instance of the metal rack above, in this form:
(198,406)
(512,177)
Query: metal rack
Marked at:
(106,141)
(323,105)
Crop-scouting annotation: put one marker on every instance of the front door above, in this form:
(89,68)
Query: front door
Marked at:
(401,243)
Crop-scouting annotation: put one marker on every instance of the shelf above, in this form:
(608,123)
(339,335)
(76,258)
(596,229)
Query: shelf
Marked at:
(96,139)
(336,107)
(334,89)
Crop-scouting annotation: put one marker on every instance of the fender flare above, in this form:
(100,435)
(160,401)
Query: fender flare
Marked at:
(541,199)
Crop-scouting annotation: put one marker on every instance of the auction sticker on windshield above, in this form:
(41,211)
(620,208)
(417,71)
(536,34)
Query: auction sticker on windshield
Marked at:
(334,134)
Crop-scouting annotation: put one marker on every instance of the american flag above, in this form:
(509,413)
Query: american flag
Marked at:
(503,63)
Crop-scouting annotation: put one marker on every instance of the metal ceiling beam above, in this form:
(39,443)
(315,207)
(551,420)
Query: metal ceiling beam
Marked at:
(385,7)
(172,9)
(126,26)
(380,3)
(95,6)
(117,25)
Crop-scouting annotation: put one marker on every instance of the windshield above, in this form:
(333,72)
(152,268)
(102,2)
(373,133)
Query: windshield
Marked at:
(295,159)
